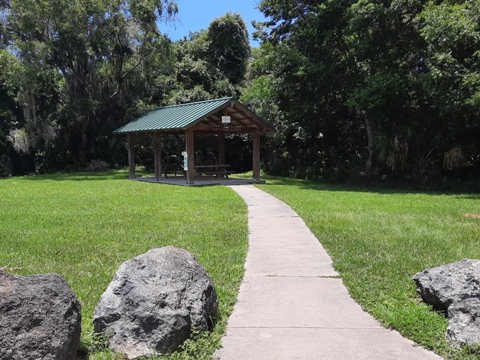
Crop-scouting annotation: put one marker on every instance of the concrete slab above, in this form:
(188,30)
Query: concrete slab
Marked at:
(290,262)
(297,302)
(292,305)
(319,343)
(200,181)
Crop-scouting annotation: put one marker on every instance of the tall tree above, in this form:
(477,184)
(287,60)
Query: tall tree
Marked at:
(451,30)
(86,59)
(367,65)
(229,46)
(313,65)
(211,63)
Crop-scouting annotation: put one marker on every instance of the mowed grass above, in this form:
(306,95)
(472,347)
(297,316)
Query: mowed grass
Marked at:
(379,239)
(83,226)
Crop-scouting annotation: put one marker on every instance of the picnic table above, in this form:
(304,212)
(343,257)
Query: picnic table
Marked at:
(173,168)
(217,170)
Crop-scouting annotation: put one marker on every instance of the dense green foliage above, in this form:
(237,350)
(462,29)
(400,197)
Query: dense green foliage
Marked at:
(78,73)
(370,87)
(355,88)
(379,239)
(211,63)
(84,225)
(69,79)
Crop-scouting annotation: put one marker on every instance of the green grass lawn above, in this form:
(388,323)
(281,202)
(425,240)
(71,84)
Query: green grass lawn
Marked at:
(379,239)
(83,226)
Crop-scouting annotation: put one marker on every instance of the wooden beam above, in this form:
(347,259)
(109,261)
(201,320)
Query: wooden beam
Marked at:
(190,138)
(256,156)
(230,129)
(221,150)
(241,121)
(245,115)
(236,116)
(158,156)
(131,155)
(165,132)
(209,121)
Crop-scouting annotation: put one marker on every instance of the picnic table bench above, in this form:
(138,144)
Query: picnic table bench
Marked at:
(173,168)
(217,170)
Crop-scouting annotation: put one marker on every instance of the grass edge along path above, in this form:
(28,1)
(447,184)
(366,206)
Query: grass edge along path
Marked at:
(378,239)
(84,225)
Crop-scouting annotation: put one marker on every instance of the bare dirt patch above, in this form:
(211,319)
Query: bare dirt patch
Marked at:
(473,216)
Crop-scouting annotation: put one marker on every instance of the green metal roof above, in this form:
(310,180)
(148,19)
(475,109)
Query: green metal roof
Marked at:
(174,117)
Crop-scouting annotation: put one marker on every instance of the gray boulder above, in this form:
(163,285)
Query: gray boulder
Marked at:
(464,322)
(445,285)
(39,318)
(154,302)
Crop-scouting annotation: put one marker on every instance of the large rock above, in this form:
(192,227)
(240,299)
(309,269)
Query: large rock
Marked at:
(444,285)
(464,322)
(154,302)
(39,318)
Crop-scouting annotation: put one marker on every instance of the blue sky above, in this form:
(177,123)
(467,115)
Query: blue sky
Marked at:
(194,15)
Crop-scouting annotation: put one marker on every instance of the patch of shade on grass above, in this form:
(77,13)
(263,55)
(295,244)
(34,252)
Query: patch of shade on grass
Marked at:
(83,226)
(378,239)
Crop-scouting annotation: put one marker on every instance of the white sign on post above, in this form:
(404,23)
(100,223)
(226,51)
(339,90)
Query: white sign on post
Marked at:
(185,160)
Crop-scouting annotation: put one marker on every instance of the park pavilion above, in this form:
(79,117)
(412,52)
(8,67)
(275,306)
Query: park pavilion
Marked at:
(218,117)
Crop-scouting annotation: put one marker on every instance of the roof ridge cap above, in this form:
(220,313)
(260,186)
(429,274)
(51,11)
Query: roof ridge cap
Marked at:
(194,102)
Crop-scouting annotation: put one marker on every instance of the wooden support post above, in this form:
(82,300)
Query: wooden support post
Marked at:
(221,148)
(131,156)
(158,156)
(190,138)
(256,156)
(221,151)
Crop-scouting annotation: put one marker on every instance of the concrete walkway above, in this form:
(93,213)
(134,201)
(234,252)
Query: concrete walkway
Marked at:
(293,305)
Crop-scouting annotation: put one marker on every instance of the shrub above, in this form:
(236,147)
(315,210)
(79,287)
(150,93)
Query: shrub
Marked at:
(97,165)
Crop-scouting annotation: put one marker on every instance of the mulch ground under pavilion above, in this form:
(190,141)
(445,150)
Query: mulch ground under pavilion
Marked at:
(190,120)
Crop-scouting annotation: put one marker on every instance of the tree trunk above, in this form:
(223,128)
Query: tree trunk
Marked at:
(370,126)
(84,140)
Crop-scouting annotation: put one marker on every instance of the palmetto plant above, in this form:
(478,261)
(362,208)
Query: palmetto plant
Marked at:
(419,156)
